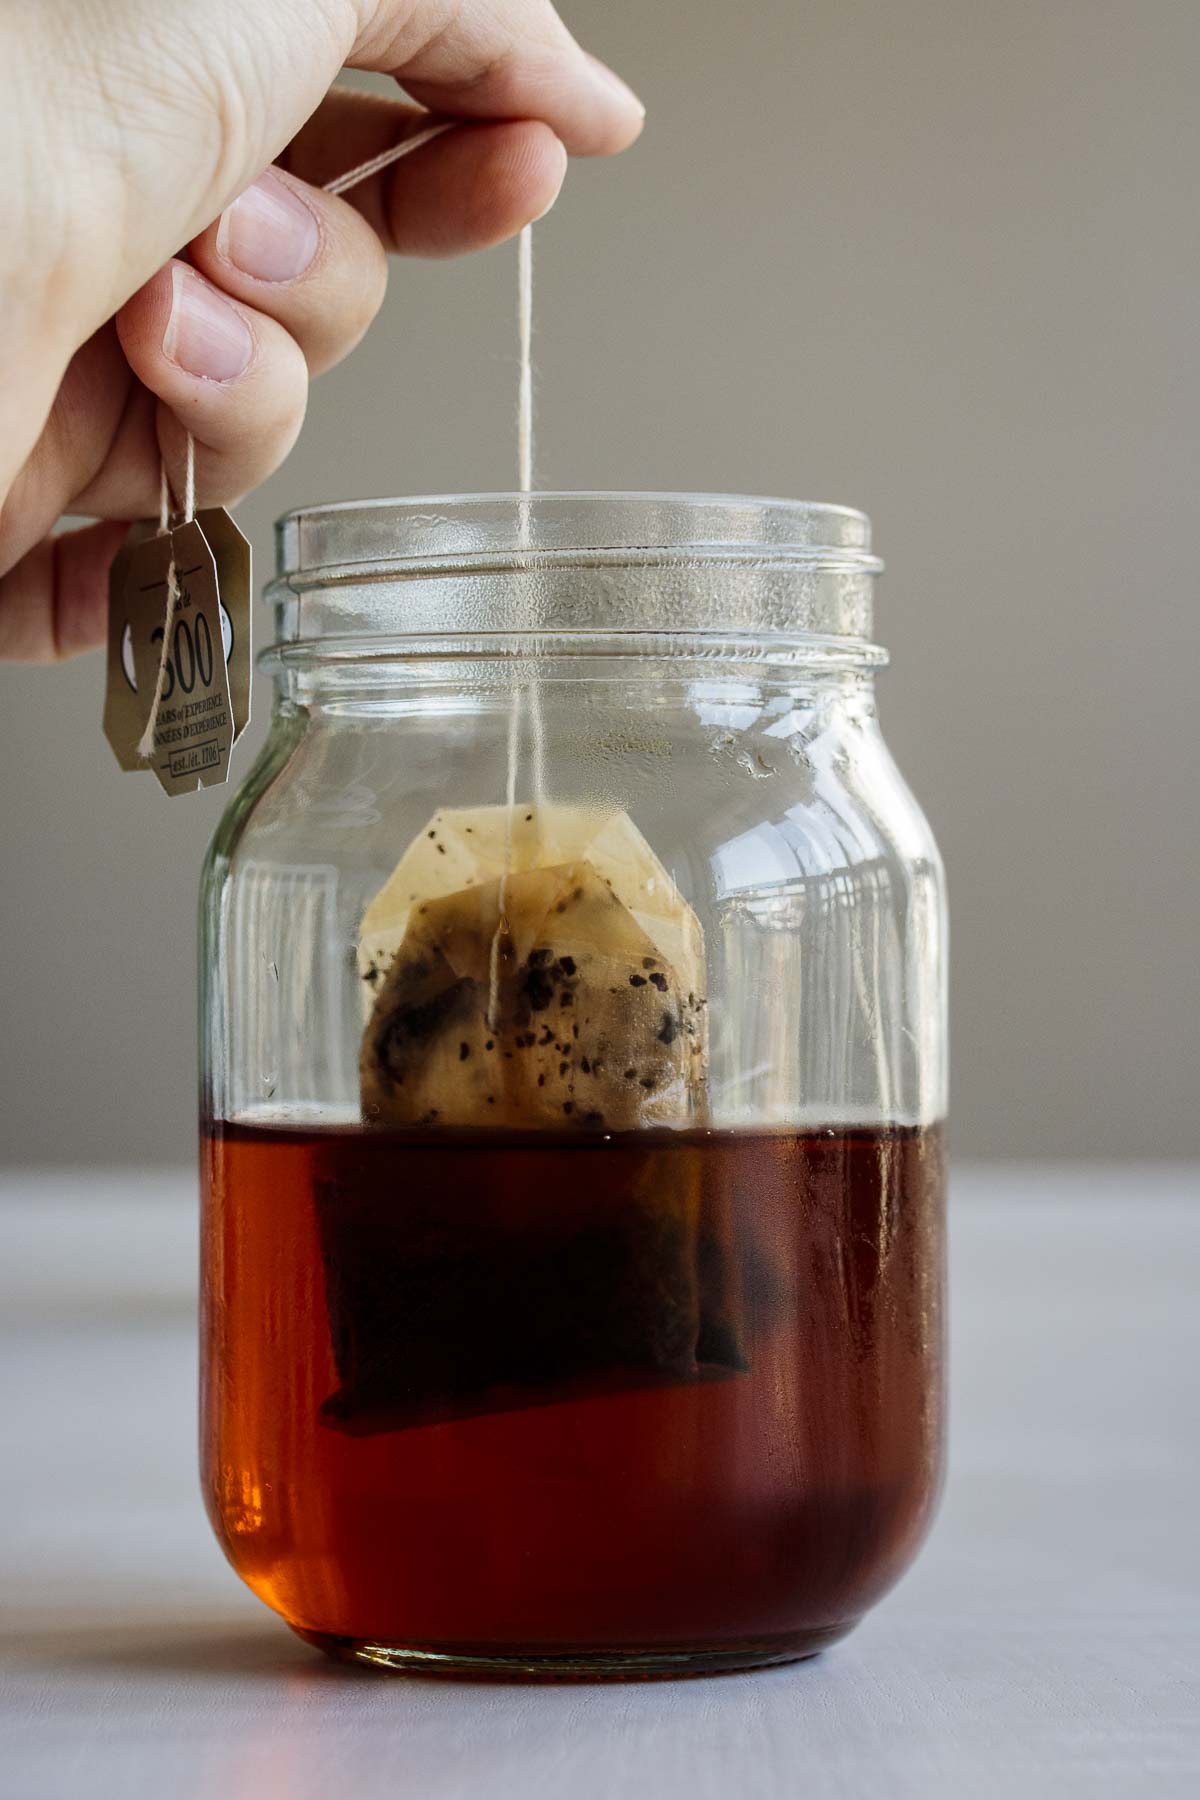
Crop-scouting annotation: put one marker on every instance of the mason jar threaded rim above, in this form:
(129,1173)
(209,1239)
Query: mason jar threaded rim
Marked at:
(586,564)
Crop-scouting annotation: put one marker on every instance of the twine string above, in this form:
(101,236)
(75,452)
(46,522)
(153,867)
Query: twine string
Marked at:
(341,185)
(522,698)
(145,748)
(375,164)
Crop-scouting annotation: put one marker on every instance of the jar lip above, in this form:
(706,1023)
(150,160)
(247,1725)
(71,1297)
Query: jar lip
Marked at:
(446,533)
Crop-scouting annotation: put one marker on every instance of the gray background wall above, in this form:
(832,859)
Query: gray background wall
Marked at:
(937,259)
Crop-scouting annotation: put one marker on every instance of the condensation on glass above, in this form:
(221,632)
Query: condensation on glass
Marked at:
(572,1132)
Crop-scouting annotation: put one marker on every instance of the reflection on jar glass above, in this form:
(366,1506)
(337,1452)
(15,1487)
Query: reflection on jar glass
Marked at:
(574,1079)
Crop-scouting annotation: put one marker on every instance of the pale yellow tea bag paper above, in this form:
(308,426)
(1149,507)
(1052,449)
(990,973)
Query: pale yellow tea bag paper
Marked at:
(532,968)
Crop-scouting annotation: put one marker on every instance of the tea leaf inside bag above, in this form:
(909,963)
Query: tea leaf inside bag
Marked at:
(532,974)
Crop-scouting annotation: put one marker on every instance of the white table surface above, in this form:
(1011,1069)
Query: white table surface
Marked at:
(1047,1642)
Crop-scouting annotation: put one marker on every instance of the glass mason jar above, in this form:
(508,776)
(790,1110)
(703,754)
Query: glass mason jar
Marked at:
(574,1073)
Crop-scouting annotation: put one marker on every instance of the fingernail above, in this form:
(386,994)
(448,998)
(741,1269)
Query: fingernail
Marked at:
(205,335)
(613,85)
(268,232)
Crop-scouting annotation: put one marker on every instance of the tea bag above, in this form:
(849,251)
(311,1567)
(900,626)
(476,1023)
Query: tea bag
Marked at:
(543,972)
(472,1276)
(536,1001)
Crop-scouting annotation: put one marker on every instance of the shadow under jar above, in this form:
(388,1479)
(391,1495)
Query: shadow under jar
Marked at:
(574,1074)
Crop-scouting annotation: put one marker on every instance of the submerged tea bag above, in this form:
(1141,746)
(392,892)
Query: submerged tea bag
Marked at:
(487,1274)
(533,972)
(535,989)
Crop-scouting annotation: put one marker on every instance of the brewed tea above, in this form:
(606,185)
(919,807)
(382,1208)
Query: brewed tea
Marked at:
(572,1392)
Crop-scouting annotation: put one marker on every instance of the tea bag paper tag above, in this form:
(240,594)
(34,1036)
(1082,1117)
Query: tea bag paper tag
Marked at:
(213,613)
(193,730)
(231,553)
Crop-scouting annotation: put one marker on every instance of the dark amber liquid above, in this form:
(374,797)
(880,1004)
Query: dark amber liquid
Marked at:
(472,1465)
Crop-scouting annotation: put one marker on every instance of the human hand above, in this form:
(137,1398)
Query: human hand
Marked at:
(134,132)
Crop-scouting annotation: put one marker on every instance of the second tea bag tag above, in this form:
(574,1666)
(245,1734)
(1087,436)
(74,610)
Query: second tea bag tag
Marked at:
(204,705)
(231,554)
(192,728)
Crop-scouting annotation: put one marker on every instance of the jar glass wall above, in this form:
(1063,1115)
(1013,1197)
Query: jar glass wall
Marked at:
(574,1075)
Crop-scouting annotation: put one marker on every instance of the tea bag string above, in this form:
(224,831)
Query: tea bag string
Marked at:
(145,748)
(525,358)
(520,696)
(525,480)
(340,185)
